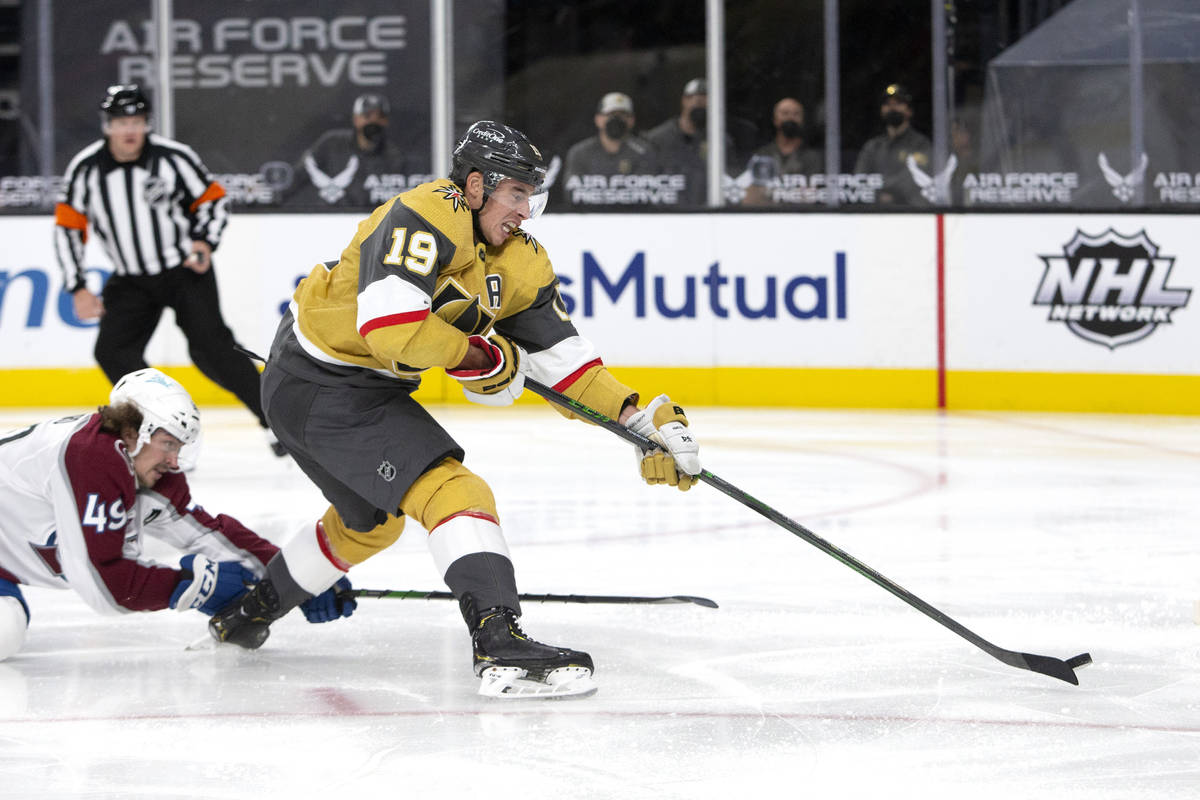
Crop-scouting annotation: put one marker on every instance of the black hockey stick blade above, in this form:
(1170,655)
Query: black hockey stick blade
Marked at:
(1046,665)
(414,594)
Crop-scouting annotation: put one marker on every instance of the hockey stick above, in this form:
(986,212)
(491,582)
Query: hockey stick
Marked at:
(416,594)
(1046,665)
(411,594)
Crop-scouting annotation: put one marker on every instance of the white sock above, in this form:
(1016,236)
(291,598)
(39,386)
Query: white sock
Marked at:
(306,561)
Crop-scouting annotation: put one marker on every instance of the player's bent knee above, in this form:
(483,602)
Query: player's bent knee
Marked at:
(14,622)
(446,490)
(354,547)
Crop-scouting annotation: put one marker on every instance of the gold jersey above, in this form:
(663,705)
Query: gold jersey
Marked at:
(414,283)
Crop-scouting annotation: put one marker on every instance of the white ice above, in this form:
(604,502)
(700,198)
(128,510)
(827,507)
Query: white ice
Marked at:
(1047,534)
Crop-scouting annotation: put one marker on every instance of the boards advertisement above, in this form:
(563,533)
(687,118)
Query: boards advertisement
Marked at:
(1082,312)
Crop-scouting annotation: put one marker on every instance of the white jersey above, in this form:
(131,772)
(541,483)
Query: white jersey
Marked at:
(145,213)
(72,515)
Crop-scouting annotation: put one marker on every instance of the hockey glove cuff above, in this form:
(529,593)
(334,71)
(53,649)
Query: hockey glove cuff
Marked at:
(502,382)
(209,586)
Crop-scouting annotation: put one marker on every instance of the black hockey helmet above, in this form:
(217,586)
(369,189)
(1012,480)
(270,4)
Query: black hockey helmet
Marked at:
(124,100)
(498,152)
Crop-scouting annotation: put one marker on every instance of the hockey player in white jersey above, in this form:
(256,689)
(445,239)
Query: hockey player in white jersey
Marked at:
(77,494)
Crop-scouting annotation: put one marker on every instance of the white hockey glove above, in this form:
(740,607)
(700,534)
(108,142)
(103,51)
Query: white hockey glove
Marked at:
(497,385)
(209,586)
(678,461)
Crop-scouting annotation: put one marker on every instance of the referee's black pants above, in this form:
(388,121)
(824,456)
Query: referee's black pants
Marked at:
(133,305)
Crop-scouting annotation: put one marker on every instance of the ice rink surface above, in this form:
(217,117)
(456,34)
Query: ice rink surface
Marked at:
(1049,534)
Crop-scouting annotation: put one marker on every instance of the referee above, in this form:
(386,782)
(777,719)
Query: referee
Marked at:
(158,215)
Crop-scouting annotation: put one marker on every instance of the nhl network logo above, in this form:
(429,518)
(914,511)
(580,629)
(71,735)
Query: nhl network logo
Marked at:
(1110,289)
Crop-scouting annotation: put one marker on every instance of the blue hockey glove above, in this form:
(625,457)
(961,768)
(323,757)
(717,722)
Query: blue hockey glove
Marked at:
(330,604)
(213,585)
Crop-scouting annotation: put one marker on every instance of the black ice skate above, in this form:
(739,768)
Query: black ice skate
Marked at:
(511,665)
(247,623)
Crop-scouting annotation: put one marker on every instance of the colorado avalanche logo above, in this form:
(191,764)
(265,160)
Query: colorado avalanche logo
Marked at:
(48,553)
(454,195)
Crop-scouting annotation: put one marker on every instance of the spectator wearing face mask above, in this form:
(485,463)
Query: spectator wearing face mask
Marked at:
(614,150)
(887,154)
(340,162)
(682,141)
(786,154)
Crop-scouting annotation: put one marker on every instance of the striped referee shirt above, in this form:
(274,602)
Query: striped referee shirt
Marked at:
(146,213)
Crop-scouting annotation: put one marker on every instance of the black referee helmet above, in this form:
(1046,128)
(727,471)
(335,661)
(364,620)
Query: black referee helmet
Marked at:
(124,100)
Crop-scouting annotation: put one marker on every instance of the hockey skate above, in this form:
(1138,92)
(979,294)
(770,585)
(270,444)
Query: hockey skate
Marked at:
(247,622)
(510,665)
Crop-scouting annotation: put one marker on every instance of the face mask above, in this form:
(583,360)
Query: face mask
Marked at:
(372,131)
(791,129)
(615,127)
(698,118)
(894,118)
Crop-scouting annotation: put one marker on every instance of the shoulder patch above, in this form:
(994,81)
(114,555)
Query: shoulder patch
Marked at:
(529,240)
(442,207)
(454,196)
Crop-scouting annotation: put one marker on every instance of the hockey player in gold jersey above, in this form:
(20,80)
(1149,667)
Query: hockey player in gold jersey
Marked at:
(441,276)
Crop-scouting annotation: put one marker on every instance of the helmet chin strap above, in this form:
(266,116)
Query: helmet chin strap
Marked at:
(129,455)
(487,195)
(143,439)
(479,237)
